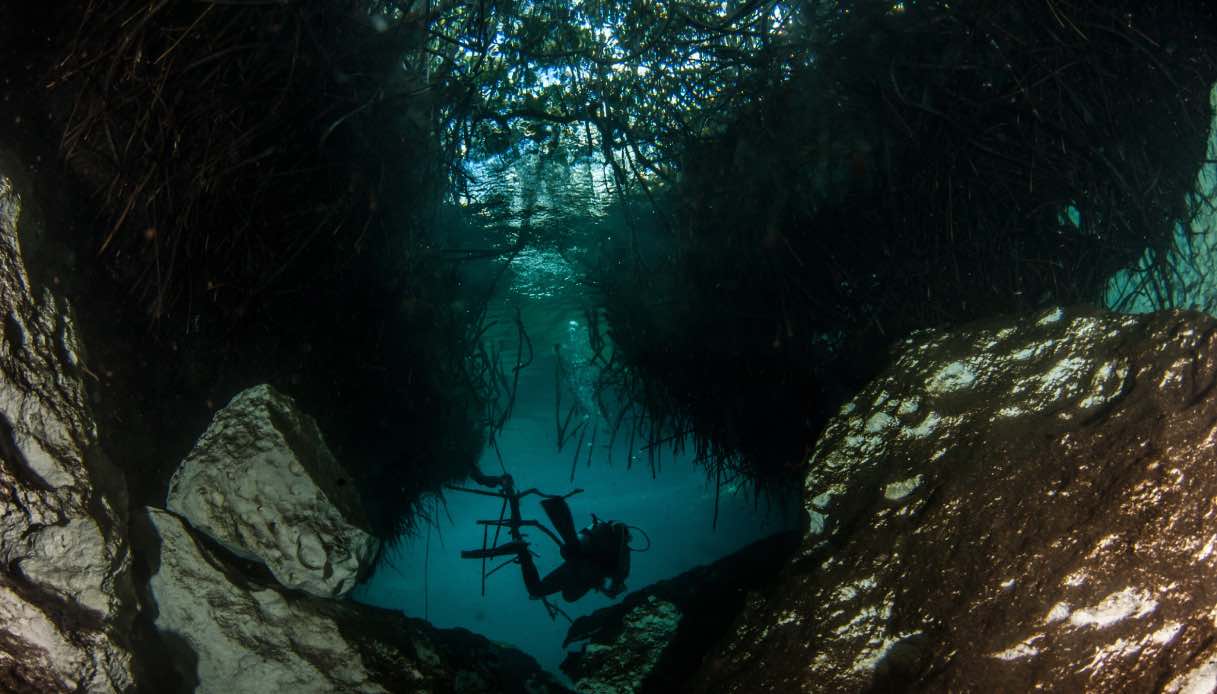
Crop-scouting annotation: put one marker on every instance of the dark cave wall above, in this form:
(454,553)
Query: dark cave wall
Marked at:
(296,221)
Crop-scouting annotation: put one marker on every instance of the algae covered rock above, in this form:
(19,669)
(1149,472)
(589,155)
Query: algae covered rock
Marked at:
(622,665)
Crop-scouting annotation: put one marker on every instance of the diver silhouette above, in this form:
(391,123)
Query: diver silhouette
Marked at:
(597,557)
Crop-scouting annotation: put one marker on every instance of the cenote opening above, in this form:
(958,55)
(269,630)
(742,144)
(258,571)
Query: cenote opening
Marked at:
(551,346)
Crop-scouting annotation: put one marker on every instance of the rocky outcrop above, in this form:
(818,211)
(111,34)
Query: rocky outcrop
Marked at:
(262,483)
(270,532)
(241,635)
(1014,506)
(622,664)
(66,600)
(654,637)
(246,636)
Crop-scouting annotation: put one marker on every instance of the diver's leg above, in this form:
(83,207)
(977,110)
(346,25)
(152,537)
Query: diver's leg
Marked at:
(573,578)
(562,579)
(573,593)
(532,581)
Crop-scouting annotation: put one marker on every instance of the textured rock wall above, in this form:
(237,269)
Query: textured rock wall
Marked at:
(1014,506)
(65,593)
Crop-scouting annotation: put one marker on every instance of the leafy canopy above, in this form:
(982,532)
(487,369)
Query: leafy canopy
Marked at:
(621,82)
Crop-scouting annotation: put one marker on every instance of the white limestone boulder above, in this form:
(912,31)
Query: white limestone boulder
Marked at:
(245,639)
(238,634)
(262,483)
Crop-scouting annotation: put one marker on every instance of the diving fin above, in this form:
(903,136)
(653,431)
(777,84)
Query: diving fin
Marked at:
(559,515)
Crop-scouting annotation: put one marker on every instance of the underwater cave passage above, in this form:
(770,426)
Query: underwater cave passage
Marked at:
(424,575)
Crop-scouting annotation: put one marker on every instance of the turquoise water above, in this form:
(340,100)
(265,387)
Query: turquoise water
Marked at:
(425,576)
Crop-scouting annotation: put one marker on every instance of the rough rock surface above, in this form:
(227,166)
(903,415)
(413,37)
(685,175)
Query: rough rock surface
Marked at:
(262,482)
(242,636)
(622,664)
(654,637)
(1011,507)
(66,600)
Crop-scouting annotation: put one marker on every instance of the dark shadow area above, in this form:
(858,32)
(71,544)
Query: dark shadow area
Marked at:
(243,193)
(914,167)
(165,662)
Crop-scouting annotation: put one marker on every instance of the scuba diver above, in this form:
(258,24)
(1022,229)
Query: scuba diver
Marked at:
(597,557)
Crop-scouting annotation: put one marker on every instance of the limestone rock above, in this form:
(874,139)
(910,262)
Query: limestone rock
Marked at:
(66,601)
(240,636)
(652,639)
(262,482)
(1012,506)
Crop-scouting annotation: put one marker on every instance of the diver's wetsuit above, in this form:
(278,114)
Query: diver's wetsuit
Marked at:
(598,553)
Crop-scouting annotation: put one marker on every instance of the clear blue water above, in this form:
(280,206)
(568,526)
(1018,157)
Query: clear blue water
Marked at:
(675,508)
